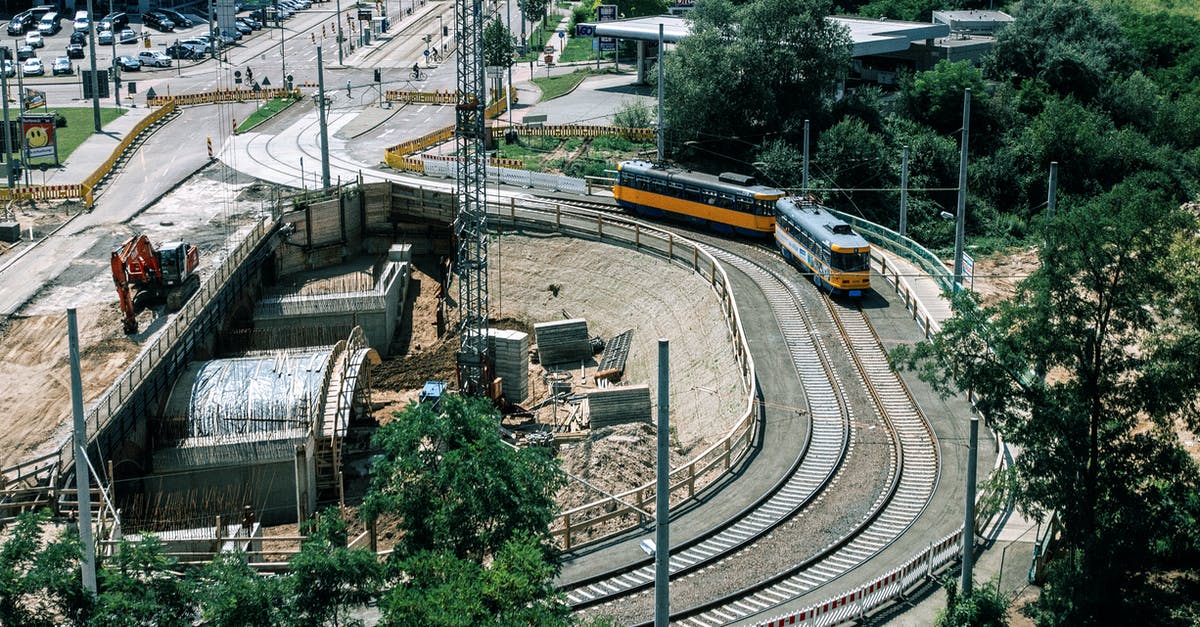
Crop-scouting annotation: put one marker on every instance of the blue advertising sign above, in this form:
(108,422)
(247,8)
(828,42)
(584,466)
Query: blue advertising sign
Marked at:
(607,13)
(585,30)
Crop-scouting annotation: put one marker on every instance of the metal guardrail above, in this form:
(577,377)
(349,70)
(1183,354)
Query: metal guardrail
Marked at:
(692,476)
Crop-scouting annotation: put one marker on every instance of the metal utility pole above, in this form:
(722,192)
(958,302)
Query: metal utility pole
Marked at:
(212,37)
(960,219)
(1052,197)
(283,81)
(804,173)
(662,500)
(661,141)
(904,192)
(321,114)
(116,72)
(968,549)
(339,31)
(8,147)
(470,223)
(83,484)
(92,59)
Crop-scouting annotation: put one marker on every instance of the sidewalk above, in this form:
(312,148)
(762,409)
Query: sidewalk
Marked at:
(96,149)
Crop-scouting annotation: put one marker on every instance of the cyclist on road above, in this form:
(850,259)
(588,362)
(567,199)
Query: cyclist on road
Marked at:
(416,69)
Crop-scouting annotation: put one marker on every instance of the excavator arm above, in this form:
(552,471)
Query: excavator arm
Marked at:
(134,264)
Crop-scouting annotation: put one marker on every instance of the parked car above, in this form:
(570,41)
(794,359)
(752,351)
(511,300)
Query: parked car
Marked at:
(154,57)
(82,22)
(34,38)
(183,51)
(127,36)
(157,20)
(176,17)
(242,27)
(25,52)
(20,23)
(233,35)
(251,22)
(126,62)
(79,37)
(49,24)
(62,65)
(118,20)
(75,51)
(228,40)
(105,37)
(10,68)
(33,67)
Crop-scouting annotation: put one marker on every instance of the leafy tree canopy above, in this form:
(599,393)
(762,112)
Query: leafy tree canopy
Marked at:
(498,46)
(40,584)
(327,578)
(1069,44)
(453,485)
(754,71)
(1094,420)
(137,587)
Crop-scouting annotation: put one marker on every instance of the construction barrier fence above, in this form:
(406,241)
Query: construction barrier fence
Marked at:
(223,95)
(579,130)
(86,189)
(440,96)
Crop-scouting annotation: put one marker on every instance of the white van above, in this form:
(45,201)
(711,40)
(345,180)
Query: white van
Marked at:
(49,24)
(82,22)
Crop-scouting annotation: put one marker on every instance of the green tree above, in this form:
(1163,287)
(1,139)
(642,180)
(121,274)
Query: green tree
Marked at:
(935,97)
(1070,44)
(498,46)
(849,155)
(535,10)
(137,587)
(438,588)
(328,580)
(754,71)
(40,584)
(910,10)
(1099,322)
(231,594)
(452,484)
(983,607)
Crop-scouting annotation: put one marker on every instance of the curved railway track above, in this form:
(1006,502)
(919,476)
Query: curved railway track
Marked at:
(830,438)
(912,476)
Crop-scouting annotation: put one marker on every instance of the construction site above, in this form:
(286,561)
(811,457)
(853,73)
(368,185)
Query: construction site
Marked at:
(318,318)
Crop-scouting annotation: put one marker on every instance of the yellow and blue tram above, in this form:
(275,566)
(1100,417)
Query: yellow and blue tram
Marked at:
(823,246)
(727,203)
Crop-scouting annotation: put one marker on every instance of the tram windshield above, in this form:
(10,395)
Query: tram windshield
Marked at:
(851,262)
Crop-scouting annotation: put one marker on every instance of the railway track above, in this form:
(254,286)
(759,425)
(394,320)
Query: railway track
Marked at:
(911,477)
(830,437)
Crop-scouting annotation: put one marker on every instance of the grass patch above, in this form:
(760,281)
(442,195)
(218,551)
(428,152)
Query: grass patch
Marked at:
(597,157)
(79,127)
(579,49)
(554,86)
(264,113)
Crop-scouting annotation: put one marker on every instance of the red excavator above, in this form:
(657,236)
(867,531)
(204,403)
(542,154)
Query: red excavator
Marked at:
(167,272)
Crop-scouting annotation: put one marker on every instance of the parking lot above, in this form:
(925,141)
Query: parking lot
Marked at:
(139,43)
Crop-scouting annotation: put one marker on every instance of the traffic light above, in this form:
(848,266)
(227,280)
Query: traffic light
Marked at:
(378,76)
(445,31)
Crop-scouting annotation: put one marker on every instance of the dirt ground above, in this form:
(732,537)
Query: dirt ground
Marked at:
(35,403)
(537,278)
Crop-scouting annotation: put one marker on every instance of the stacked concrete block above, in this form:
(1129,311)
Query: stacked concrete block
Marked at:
(510,353)
(563,342)
(618,405)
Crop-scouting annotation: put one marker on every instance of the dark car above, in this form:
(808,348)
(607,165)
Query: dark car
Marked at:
(79,37)
(159,21)
(128,63)
(75,51)
(105,37)
(20,23)
(176,17)
(243,27)
(25,52)
(251,22)
(118,20)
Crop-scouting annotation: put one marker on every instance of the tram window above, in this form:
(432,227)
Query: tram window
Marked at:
(852,262)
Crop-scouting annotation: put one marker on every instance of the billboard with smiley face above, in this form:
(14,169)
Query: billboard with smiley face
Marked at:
(38,134)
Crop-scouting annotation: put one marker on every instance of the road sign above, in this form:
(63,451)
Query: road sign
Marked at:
(427,52)
(607,13)
(561,35)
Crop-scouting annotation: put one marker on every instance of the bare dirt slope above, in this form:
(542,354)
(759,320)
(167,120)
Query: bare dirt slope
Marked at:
(208,210)
(545,278)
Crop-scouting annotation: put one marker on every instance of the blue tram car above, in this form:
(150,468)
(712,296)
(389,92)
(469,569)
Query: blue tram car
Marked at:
(825,247)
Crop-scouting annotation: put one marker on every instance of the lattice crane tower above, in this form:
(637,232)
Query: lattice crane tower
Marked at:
(470,224)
